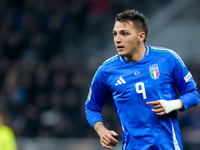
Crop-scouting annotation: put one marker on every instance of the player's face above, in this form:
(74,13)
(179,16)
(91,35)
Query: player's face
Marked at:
(126,38)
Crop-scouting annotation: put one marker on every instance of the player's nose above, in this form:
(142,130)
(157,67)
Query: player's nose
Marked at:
(117,40)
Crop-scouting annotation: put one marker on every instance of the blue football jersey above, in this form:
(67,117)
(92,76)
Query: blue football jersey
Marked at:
(130,85)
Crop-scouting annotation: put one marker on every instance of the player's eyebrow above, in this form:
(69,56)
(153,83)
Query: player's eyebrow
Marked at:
(120,31)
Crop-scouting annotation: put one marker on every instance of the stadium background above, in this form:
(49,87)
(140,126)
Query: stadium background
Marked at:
(50,50)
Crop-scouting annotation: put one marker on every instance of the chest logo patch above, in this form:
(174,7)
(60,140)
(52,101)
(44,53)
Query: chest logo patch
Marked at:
(154,71)
(120,81)
(136,73)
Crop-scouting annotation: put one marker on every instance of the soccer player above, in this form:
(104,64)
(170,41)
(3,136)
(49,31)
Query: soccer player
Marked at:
(141,81)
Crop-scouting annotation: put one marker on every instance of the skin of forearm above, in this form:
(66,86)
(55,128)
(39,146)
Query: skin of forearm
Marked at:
(98,126)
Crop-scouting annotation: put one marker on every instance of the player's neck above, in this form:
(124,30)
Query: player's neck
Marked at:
(138,55)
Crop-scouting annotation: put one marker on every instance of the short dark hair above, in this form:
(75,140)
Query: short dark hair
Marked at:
(139,20)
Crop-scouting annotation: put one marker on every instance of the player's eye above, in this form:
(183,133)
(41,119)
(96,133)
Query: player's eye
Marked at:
(124,33)
(114,34)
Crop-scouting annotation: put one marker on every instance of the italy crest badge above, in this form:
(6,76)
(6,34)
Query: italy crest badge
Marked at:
(154,71)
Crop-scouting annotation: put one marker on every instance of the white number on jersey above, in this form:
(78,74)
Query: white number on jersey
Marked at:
(141,89)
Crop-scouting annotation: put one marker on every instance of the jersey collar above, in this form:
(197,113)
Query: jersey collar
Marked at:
(123,60)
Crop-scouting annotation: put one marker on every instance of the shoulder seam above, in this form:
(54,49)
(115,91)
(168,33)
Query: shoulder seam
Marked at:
(115,57)
(171,52)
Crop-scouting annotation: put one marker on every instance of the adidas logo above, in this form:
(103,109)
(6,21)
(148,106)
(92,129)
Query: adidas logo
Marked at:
(120,81)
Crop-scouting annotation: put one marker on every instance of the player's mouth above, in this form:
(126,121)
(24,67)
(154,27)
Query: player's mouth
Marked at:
(120,48)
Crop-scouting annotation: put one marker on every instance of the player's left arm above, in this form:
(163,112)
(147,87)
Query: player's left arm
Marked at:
(185,84)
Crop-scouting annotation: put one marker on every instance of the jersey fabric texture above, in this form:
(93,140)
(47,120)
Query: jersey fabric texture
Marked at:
(130,85)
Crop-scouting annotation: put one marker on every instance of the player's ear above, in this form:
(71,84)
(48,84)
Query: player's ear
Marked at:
(142,36)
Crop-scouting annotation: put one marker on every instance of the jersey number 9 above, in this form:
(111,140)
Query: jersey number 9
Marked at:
(140,89)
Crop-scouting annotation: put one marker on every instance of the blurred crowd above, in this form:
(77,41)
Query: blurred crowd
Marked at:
(42,90)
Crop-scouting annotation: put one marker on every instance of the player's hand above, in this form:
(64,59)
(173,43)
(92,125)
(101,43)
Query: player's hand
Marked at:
(107,137)
(165,107)
(159,108)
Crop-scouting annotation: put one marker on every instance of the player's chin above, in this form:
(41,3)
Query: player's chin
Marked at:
(121,53)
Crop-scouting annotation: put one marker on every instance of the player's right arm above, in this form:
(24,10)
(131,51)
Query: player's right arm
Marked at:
(96,99)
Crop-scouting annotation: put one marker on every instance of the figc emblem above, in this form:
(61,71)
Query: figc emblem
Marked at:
(154,71)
